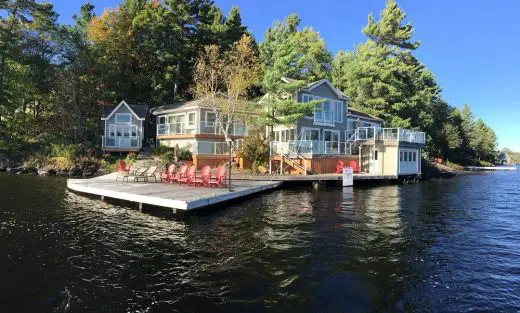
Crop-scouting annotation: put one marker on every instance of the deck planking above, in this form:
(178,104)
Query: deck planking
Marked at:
(167,195)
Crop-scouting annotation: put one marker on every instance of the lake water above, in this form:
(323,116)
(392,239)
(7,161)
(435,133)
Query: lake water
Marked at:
(438,246)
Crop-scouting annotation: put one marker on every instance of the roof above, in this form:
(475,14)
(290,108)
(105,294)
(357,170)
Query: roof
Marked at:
(312,85)
(167,108)
(140,110)
(363,115)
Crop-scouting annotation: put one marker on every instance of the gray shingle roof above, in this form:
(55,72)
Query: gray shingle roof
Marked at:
(178,105)
(141,110)
(363,115)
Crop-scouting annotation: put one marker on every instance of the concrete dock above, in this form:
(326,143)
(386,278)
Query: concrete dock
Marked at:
(167,195)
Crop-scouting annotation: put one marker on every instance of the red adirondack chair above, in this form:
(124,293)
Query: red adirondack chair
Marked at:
(169,174)
(181,174)
(121,167)
(354,166)
(192,177)
(206,176)
(220,178)
(339,167)
(190,173)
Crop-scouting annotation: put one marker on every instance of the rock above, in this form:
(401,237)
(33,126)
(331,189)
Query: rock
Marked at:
(13,170)
(75,172)
(89,171)
(46,171)
(62,173)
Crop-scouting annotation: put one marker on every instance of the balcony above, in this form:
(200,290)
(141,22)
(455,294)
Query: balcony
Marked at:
(215,148)
(385,134)
(181,128)
(118,142)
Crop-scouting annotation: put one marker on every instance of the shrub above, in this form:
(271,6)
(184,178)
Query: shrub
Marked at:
(486,164)
(60,163)
(255,148)
(185,155)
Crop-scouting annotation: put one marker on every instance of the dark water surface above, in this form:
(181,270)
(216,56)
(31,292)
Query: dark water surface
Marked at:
(438,246)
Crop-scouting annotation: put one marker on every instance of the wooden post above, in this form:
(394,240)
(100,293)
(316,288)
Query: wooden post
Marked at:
(140,207)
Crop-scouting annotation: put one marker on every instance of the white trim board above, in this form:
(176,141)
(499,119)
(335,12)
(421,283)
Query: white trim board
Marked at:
(117,108)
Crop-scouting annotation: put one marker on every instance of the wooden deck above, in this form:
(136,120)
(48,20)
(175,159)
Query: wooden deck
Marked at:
(167,195)
(317,177)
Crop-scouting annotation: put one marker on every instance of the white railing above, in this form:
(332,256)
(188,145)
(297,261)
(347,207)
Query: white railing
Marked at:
(181,128)
(213,147)
(120,142)
(385,134)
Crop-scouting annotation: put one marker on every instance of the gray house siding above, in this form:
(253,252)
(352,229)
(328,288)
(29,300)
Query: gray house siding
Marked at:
(323,91)
(133,121)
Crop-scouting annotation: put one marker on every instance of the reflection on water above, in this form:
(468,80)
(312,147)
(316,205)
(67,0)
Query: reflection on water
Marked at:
(438,246)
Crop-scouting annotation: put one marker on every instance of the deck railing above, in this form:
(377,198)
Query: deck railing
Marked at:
(182,128)
(213,147)
(353,139)
(121,142)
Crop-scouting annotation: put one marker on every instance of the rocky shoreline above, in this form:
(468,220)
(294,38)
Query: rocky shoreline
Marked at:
(75,172)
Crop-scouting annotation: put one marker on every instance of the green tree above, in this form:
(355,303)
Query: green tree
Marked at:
(299,55)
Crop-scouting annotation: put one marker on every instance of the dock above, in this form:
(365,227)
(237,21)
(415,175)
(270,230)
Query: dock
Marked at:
(311,178)
(490,168)
(167,195)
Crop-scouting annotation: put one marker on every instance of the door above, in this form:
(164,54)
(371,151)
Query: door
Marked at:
(331,141)
(372,164)
(408,161)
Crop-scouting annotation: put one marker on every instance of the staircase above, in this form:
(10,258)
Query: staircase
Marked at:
(296,161)
(354,142)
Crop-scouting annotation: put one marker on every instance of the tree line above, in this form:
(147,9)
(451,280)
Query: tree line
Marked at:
(55,78)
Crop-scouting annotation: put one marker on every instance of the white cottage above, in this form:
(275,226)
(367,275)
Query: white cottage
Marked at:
(124,127)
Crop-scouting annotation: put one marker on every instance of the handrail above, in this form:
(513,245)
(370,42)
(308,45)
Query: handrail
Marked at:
(200,127)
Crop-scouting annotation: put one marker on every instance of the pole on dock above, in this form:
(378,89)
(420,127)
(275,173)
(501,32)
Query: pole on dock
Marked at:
(230,163)
(140,207)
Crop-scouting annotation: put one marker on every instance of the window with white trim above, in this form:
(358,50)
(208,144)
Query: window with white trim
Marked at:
(191,119)
(210,119)
(123,118)
(338,111)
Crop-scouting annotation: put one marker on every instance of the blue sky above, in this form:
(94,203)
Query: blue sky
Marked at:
(472,47)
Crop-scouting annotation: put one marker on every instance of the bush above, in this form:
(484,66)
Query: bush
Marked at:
(60,163)
(255,148)
(185,155)
(486,164)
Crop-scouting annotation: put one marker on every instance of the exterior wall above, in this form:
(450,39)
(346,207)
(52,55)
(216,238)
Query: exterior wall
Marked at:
(200,161)
(308,122)
(134,121)
(389,161)
(363,122)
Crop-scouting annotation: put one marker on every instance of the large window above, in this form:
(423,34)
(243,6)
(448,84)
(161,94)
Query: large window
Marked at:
(123,118)
(191,119)
(328,111)
(210,119)
(338,111)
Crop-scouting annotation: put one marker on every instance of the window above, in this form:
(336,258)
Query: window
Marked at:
(415,156)
(327,111)
(191,119)
(375,154)
(406,156)
(123,118)
(111,130)
(401,156)
(210,119)
(162,119)
(338,111)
